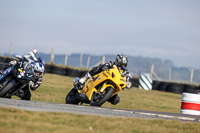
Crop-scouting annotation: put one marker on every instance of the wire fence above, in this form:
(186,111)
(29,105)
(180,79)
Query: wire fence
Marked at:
(170,74)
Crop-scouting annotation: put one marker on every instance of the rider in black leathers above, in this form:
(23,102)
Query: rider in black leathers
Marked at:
(37,73)
(33,85)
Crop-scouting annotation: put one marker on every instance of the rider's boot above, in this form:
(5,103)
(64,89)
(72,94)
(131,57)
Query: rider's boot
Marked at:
(84,79)
(114,99)
(81,82)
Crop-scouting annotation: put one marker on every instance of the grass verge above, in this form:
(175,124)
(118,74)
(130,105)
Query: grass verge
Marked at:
(16,120)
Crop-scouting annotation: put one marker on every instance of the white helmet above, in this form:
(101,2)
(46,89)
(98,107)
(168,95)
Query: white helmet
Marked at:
(35,51)
(38,69)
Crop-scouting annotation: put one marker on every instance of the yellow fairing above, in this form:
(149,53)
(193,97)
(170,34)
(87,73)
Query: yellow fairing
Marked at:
(107,78)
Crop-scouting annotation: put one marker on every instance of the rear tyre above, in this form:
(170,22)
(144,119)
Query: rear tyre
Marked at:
(5,89)
(95,101)
(71,97)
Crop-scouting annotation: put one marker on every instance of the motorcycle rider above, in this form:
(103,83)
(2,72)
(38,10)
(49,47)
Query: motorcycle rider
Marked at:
(31,56)
(121,61)
(38,70)
(27,57)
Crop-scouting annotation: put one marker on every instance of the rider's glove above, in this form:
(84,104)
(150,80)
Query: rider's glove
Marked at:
(110,64)
(31,84)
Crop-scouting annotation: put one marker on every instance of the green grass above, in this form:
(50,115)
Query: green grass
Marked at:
(14,120)
(55,88)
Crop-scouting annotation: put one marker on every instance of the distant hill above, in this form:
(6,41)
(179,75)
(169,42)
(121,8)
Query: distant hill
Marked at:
(136,65)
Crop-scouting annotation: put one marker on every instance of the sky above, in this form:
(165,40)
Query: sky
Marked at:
(165,29)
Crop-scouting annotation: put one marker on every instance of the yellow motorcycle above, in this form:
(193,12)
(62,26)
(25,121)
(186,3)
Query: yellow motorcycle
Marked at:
(98,89)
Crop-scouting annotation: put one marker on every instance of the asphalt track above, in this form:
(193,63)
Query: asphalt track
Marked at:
(100,111)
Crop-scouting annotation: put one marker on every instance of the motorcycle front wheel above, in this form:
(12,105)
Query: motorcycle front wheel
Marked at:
(99,99)
(71,97)
(6,88)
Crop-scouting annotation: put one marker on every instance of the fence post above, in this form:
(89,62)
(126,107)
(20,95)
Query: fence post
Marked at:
(10,49)
(191,75)
(102,59)
(88,62)
(151,73)
(52,57)
(81,56)
(66,57)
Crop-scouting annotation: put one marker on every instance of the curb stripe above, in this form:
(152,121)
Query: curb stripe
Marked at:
(192,106)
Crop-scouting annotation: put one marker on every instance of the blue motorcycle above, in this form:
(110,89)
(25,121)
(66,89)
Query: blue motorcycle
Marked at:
(16,77)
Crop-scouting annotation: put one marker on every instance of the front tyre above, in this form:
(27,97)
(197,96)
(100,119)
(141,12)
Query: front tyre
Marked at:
(5,89)
(71,97)
(99,99)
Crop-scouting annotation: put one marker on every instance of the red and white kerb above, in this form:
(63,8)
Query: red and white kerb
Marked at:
(190,104)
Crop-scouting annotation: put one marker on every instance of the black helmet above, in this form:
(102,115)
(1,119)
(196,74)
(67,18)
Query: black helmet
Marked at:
(121,60)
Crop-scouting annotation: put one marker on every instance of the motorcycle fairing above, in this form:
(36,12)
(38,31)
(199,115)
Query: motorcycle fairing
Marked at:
(107,78)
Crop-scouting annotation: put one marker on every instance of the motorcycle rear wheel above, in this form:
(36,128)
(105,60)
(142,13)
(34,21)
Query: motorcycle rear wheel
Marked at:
(71,97)
(106,95)
(5,89)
